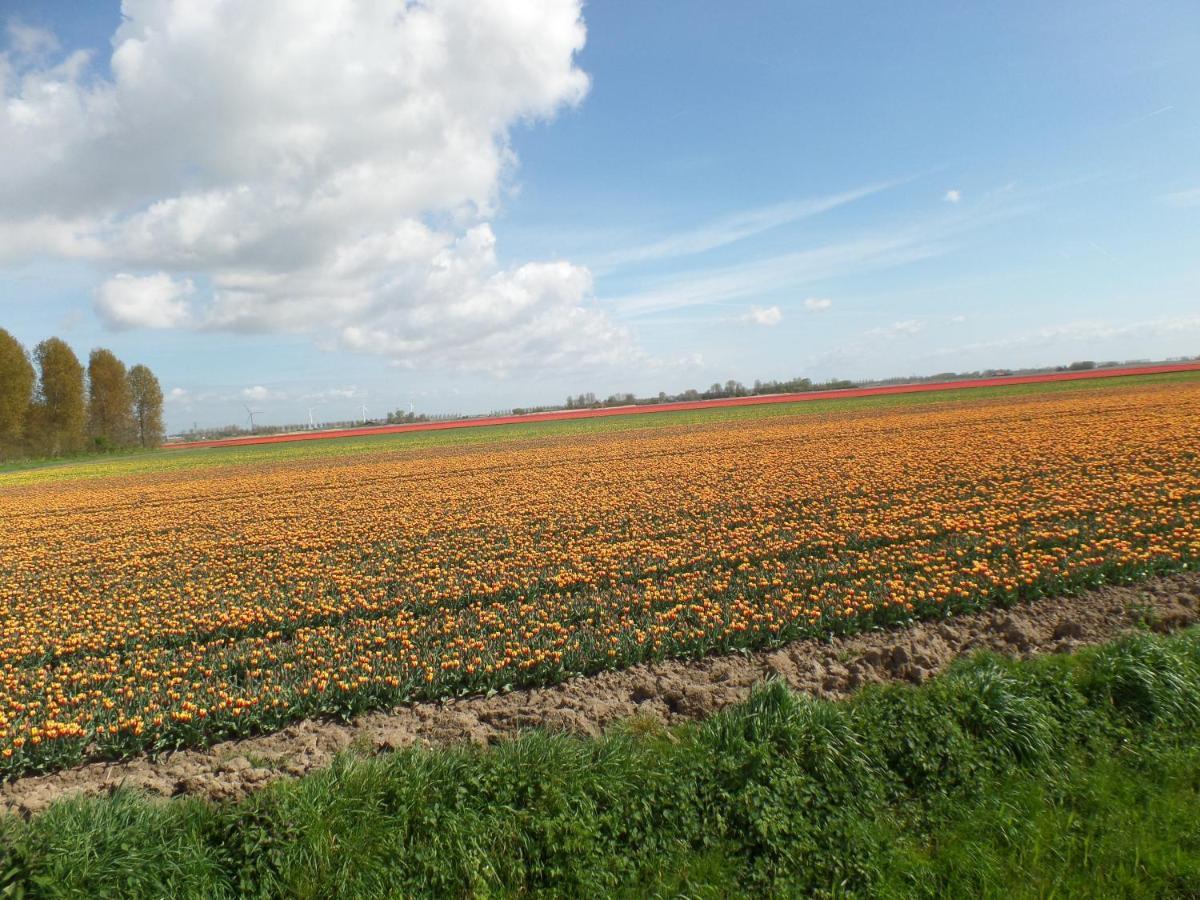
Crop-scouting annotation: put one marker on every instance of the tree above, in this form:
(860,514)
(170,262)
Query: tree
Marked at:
(57,415)
(147,397)
(110,404)
(16,393)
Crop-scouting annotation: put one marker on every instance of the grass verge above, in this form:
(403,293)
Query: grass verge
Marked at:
(1061,776)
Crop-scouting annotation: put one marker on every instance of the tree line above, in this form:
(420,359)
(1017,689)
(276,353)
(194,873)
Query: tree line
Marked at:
(732,388)
(50,405)
(716,391)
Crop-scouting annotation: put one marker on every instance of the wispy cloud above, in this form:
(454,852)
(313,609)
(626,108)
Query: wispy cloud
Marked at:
(1183,198)
(818,304)
(754,279)
(728,283)
(28,43)
(1091,331)
(736,227)
(954,195)
(1150,115)
(333,394)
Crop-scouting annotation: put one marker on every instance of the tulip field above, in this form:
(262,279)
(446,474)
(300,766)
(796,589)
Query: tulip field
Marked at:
(147,606)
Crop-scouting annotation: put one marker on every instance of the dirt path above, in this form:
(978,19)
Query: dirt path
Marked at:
(670,691)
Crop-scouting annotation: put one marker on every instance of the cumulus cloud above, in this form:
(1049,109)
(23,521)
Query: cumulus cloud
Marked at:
(327,167)
(817,304)
(150,301)
(768,316)
(953,196)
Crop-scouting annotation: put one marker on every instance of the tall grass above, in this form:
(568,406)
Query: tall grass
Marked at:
(1062,776)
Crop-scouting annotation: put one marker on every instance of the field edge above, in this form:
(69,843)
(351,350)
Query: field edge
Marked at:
(668,691)
(956,786)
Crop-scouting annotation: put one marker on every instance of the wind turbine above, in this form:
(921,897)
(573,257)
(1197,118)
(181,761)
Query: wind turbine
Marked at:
(364,411)
(311,423)
(250,414)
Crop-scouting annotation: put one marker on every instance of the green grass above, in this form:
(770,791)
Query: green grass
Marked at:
(1062,776)
(1121,827)
(41,463)
(19,472)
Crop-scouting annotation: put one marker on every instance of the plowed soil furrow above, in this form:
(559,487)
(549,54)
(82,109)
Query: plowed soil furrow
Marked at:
(670,691)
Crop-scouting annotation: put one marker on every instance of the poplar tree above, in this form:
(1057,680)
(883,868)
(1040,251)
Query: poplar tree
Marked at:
(147,397)
(16,393)
(58,414)
(110,404)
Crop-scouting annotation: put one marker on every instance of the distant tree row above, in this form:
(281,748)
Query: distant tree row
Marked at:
(732,388)
(716,391)
(51,406)
(405,417)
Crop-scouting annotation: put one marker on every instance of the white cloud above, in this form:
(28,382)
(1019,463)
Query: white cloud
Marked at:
(1152,114)
(327,167)
(261,394)
(904,328)
(1184,198)
(465,309)
(336,393)
(1089,332)
(29,43)
(178,395)
(715,285)
(958,319)
(953,196)
(151,301)
(737,227)
(764,315)
(817,304)
(21,240)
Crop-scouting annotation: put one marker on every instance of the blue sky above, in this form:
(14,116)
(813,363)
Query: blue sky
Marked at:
(689,193)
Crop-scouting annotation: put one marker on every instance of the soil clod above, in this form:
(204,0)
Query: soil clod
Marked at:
(664,692)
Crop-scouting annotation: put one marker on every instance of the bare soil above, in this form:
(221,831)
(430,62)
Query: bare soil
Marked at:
(670,691)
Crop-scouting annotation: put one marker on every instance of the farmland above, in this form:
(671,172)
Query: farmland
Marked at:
(685,406)
(152,604)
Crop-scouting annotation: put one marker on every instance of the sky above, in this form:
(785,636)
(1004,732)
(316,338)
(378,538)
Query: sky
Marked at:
(471,205)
